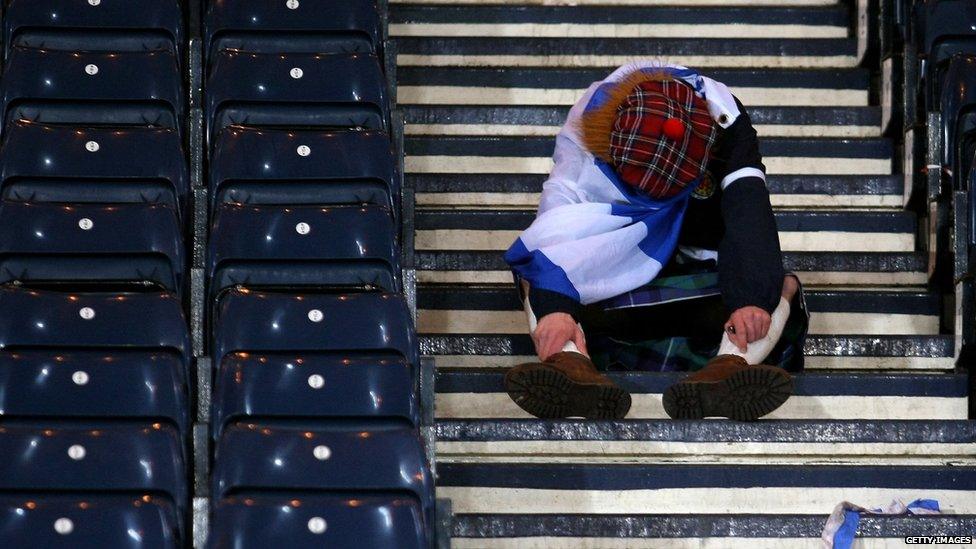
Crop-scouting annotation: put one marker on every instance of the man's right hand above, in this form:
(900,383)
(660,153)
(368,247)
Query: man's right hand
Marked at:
(554,331)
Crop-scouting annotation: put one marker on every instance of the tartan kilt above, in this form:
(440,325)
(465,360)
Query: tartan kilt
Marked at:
(687,353)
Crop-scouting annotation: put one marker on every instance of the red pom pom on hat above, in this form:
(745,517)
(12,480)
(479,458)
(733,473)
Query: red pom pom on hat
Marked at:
(656,134)
(673,129)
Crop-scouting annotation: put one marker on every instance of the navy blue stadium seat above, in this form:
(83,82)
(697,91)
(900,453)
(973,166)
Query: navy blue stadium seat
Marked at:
(250,321)
(350,456)
(109,25)
(313,385)
(61,321)
(93,88)
(88,521)
(296,91)
(95,457)
(41,163)
(89,384)
(971,238)
(902,18)
(311,26)
(272,246)
(265,166)
(258,522)
(90,244)
(943,28)
(959,116)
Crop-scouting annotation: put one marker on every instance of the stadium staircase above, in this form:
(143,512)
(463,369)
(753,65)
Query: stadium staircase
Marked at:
(881,411)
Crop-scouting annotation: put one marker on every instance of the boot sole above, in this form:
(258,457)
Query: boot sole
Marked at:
(549,394)
(746,395)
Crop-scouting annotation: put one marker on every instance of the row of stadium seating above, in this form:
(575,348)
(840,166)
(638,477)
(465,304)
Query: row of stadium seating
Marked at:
(305,26)
(96,375)
(96,409)
(939,75)
(315,414)
(315,411)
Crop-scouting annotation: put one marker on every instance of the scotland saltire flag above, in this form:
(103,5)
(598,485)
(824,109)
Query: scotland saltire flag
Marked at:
(841,527)
(608,238)
(592,251)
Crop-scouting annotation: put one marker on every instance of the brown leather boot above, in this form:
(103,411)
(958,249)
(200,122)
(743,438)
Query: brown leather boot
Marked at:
(728,387)
(567,384)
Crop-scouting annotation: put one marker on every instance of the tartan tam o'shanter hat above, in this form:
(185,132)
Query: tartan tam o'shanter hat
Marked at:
(653,130)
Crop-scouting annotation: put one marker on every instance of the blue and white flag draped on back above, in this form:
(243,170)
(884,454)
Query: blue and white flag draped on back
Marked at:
(596,237)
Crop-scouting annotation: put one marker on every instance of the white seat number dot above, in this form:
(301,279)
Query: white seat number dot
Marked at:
(322,452)
(76,452)
(317,525)
(63,525)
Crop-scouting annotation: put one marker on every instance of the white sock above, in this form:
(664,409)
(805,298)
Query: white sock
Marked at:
(569,346)
(758,350)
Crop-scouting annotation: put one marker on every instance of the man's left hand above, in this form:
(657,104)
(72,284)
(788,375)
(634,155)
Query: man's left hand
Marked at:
(746,325)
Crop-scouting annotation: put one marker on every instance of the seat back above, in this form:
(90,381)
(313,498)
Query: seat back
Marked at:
(93,457)
(108,25)
(941,20)
(958,114)
(90,521)
(93,88)
(85,384)
(971,187)
(267,166)
(302,247)
(44,163)
(52,321)
(296,91)
(943,28)
(311,520)
(309,26)
(335,456)
(89,244)
(254,321)
(313,385)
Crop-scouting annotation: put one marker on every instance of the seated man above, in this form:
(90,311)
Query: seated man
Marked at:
(655,223)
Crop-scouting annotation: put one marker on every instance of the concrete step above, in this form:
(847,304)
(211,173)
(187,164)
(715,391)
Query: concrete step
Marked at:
(473,393)
(625,489)
(685,531)
(823,352)
(460,309)
(771,442)
(532,155)
(613,52)
(799,230)
(695,3)
(522,191)
(546,121)
(562,86)
(815,268)
(620,21)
